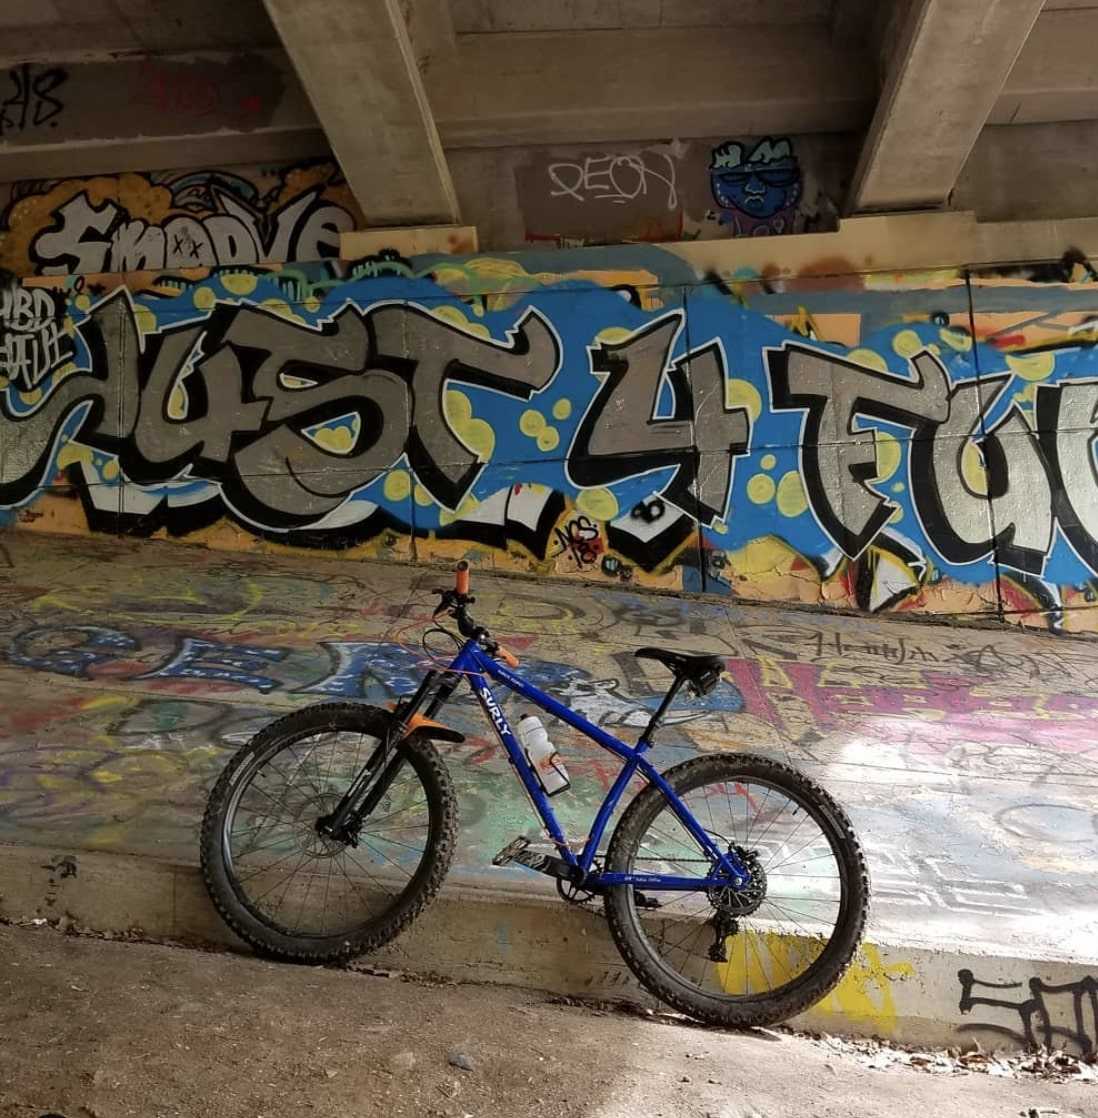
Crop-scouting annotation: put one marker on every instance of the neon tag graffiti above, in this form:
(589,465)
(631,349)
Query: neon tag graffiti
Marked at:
(615,178)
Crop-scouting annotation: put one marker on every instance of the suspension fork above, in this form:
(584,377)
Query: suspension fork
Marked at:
(365,793)
(357,803)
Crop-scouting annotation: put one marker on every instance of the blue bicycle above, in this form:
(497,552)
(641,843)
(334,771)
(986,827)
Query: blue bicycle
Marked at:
(734,886)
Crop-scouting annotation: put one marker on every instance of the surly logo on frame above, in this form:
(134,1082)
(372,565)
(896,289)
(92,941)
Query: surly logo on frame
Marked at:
(494,711)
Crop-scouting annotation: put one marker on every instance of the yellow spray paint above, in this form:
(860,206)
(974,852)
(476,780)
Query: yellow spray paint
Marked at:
(762,960)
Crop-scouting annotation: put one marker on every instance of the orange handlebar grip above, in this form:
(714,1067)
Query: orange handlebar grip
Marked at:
(461,578)
(507,656)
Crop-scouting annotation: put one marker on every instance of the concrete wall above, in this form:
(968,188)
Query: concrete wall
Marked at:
(917,442)
(561,196)
(566,196)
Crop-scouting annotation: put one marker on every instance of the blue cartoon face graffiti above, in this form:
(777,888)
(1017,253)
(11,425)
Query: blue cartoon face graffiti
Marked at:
(760,183)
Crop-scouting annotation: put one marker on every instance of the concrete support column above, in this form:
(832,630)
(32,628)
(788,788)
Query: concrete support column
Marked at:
(951,61)
(356,61)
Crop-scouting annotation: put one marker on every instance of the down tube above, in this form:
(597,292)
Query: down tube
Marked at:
(471,666)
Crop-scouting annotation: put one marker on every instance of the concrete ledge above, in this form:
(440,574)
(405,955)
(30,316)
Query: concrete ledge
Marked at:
(473,934)
(454,240)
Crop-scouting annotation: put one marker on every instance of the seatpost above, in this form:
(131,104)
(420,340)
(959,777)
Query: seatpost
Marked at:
(656,718)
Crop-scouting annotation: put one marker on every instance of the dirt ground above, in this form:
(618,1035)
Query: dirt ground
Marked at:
(96,1029)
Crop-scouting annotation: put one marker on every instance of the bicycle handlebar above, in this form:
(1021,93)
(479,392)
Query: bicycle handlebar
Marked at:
(461,577)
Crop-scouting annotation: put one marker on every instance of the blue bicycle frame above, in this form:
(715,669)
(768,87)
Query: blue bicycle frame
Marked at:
(474,663)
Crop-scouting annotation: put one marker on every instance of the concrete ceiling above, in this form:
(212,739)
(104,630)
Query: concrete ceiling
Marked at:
(391,84)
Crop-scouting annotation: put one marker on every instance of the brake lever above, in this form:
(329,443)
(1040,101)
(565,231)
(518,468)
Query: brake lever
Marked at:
(450,600)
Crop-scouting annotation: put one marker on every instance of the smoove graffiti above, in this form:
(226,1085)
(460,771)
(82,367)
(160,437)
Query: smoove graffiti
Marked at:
(187,219)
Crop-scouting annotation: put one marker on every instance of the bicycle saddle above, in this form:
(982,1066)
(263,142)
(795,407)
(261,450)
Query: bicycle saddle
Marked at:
(701,671)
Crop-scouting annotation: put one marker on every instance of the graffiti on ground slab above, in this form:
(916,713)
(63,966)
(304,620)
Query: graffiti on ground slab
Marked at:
(573,428)
(1054,1015)
(176,219)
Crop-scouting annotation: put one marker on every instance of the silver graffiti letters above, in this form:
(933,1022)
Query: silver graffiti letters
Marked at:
(237,398)
(1001,506)
(838,459)
(287,422)
(446,467)
(87,238)
(621,435)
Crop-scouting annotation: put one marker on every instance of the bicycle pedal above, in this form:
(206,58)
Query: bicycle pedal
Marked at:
(511,851)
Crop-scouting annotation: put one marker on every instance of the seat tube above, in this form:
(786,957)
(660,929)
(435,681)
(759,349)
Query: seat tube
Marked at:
(656,718)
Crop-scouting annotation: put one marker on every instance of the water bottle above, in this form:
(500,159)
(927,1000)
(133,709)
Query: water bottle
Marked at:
(542,755)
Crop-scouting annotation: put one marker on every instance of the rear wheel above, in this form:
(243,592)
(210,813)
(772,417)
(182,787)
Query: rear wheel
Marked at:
(755,956)
(294,893)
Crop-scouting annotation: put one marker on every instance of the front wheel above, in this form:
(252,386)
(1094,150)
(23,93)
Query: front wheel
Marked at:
(300,895)
(755,956)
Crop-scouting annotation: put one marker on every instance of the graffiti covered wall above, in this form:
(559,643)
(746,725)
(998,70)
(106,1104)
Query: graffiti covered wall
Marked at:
(175,219)
(679,190)
(920,443)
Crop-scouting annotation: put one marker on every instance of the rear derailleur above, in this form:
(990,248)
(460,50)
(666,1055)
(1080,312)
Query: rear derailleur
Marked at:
(724,925)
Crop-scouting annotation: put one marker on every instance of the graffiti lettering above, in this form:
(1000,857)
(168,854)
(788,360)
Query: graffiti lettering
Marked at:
(33,102)
(397,668)
(577,431)
(1011,515)
(615,178)
(31,342)
(222,663)
(86,238)
(850,511)
(1052,1015)
(700,438)
(240,396)
(580,539)
(69,649)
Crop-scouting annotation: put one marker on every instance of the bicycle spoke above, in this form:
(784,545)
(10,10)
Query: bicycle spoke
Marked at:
(395,842)
(396,865)
(266,869)
(766,798)
(795,853)
(289,876)
(373,877)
